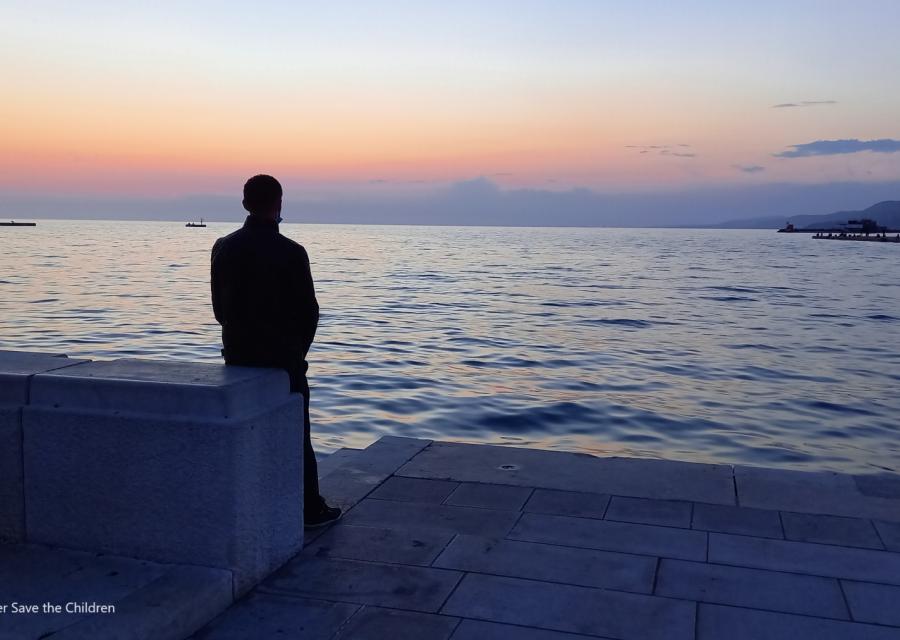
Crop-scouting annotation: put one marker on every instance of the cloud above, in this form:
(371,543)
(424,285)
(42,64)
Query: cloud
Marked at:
(805,103)
(663,149)
(838,147)
(749,168)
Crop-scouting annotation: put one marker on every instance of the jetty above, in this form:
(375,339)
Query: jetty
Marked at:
(13,223)
(171,492)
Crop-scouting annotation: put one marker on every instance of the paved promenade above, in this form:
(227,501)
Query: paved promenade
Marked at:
(469,542)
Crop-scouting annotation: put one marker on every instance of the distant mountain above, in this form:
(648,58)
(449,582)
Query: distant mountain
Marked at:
(886,213)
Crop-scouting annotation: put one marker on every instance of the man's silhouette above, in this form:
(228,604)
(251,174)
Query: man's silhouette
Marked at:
(263,296)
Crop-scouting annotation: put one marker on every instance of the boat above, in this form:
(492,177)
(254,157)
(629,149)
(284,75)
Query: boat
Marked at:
(13,223)
(196,224)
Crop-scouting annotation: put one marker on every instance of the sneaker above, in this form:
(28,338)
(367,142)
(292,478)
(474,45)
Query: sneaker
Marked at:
(322,517)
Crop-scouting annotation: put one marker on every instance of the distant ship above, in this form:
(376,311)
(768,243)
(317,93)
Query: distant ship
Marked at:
(196,224)
(13,223)
(865,226)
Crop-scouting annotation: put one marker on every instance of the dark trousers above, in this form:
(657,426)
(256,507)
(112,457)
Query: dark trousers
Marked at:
(311,500)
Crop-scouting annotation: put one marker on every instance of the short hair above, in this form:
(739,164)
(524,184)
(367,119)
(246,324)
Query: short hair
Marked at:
(261,193)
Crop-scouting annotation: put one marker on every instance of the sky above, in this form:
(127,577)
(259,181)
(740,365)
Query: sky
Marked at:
(163,109)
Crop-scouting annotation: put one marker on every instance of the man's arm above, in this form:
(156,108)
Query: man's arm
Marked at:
(307,303)
(213,282)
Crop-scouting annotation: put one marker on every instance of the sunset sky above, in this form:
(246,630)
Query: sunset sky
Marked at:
(137,100)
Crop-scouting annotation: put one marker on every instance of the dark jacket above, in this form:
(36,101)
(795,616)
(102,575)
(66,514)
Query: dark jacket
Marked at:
(264,298)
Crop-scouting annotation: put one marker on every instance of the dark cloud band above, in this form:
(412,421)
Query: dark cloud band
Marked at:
(838,147)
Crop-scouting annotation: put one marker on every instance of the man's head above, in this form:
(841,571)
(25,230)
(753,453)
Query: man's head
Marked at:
(262,197)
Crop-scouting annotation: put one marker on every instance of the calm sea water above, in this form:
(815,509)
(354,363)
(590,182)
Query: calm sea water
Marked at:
(730,346)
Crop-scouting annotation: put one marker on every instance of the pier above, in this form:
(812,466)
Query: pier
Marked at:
(148,487)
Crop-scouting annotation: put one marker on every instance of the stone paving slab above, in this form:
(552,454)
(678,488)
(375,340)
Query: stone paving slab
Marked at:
(669,513)
(568,503)
(643,539)
(717,622)
(583,567)
(169,608)
(889,532)
(480,630)
(414,490)
(848,532)
(611,614)
(879,485)
(762,523)
(267,617)
(150,599)
(754,588)
(385,585)
(823,492)
(336,460)
(353,481)
(374,623)
(471,520)
(643,478)
(876,603)
(489,496)
(488,543)
(379,544)
(805,557)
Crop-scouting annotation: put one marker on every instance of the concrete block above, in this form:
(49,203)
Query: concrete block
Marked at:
(170,608)
(154,387)
(609,614)
(374,623)
(659,479)
(584,567)
(385,513)
(383,585)
(752,588)
(822,492)
(568,503)
(848,532)
(17,368)
(108,470)
(804,557)
(271,616)
(642,539)
(876,603)
(375,544)
(480,630)
(741,520)
(715,622)
(16,371)
(490,496)
(353,481)
(414,490)
(669,513)
(12,487)
(889,532)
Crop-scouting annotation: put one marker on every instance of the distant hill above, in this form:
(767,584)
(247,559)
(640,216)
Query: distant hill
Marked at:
(886,213)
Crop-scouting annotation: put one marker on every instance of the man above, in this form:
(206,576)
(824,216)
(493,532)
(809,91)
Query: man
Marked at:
(263,296)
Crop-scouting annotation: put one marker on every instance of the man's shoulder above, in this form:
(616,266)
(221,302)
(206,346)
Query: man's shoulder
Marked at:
(293,246)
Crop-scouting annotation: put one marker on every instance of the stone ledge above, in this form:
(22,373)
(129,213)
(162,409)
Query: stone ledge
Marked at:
(156,387)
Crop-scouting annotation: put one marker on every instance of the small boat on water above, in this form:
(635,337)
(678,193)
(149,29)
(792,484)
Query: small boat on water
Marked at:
(13,223)
(196,224)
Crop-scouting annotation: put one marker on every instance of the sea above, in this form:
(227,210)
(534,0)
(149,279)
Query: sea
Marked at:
(731,346)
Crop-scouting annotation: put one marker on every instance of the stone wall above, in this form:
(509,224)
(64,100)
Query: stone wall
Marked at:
(183,463)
